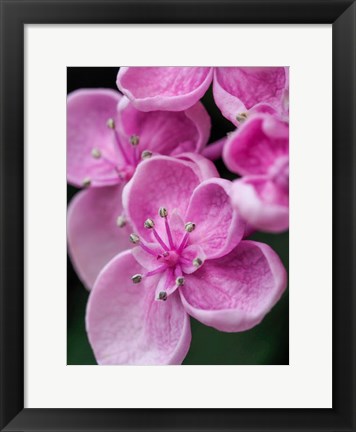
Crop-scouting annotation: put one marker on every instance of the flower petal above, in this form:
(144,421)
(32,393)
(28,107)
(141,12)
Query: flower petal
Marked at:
(126,325)
(93,235)
(235,292)
(218,227)
(238,89)
(87,113)
(159,182)
(204,167)
(164,88)
(261,203)
(165,132)
(257,145)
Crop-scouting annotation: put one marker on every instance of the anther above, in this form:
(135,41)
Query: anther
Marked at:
(189,227)
(86,182)
(121,221)
(110,123)
(241,117)
(197,262)
(162,296)
(134,140)
(180,281)
(149,224)
(134,238)
(96,153)
(163,212)
(137,278)
(146,154)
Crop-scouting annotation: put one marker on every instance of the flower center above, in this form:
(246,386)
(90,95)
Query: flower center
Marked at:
(129,156)
(168,252)
(170,258)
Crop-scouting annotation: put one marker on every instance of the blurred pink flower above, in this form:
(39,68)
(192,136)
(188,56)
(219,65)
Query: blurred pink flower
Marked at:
(236,89)
(259,151)
(106,139)
(190,259)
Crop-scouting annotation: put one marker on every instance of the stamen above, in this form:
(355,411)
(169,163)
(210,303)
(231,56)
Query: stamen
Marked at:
(110,123)
(157,270)
(149,224)
(137,278)
(160,241)
(163,212)
(96,153)
(134,140)
(86,182)
(134,238)
(162,296)
(183,243)
(147,249)
(180,281)
(121,221)
(146,154)
(189,227)
(241,117)
(197,262)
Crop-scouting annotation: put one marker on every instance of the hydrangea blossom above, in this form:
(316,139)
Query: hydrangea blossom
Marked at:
(259,151)
(106,140)
(189,259)
(237,90)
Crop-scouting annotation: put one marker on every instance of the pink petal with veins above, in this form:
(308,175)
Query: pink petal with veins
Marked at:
(257,145)
(164,88)
(88,111)
(126,325)
(218,227)
(239,89)
(165,132)
(159,182)
(235,292)
(93,234)
(262,203)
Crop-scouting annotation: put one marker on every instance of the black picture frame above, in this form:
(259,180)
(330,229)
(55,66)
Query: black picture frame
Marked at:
(14,15)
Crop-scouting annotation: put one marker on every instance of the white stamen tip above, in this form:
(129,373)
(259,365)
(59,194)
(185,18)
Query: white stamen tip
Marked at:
(96,153)
(189,227)
(149,224)
(180,281)
(146,154)
(110,123)
(241,117)
(163,212)
(137,278)
(197,262)
(134,238)
(121,221)
(86,182)
(162,296)
(134,140)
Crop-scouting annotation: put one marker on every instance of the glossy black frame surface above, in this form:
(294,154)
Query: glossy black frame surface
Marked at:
(14,15)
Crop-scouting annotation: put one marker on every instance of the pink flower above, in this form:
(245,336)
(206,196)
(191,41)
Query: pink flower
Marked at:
(259,151)
(189,259)
(236,89)
(106,140)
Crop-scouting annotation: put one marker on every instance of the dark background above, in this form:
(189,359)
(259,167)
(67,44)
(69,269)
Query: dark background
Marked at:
(266,344)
